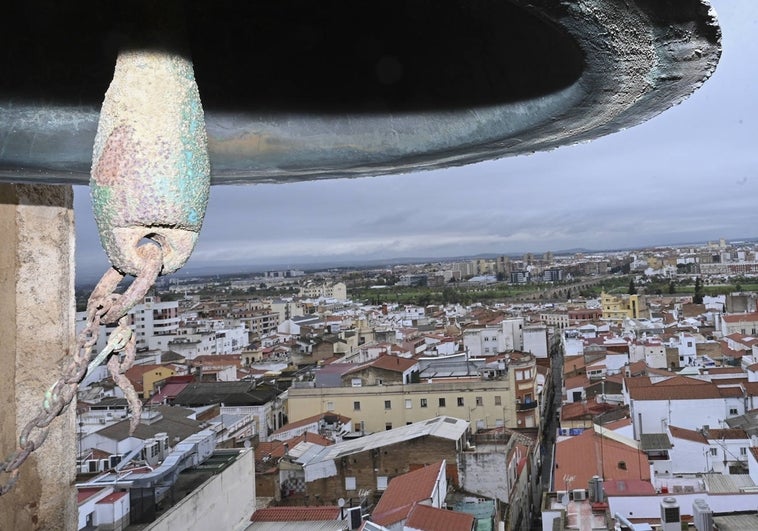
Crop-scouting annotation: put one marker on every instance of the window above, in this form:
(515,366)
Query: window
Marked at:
(479,401)
(732,410)
(388,426)
(330,406)
(388,404)
(487,349)
(381,482)
(714,451)
(423,402)
(442,402)
(622,465)
(498,400)
(356,382)
(350,483)
(356,406)
(460,401)
(408,403)
(743,450)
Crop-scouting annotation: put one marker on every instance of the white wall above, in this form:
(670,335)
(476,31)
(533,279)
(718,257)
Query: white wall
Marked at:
(513,334)
(89,506)
(656,415)
(535,341)
(650,506)
(225,501)
(477,476)
(114,514)
(727,450)
(685,457)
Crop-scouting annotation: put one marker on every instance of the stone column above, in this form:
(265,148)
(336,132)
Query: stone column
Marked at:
(37,312)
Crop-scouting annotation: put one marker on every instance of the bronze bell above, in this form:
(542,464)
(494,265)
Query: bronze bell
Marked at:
(297,90)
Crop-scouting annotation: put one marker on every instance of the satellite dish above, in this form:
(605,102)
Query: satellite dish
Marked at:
(247,444)
(341,502)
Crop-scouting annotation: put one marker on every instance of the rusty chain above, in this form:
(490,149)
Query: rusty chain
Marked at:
(104,306)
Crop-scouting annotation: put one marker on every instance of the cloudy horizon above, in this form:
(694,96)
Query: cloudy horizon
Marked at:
(687,175)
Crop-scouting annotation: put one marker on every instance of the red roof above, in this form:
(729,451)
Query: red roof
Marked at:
(84,494)
(393,363)
(727,433)
(405,491)
(296,514)
(573,382)
(687,435)
(589,454)
(168,391)
(683,392)
(275,449)
(740,318)
(315,419)
(113,497)
(217,359)
(428,518)
(584,409)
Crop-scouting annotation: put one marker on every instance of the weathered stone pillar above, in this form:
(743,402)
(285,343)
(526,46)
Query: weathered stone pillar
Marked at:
(36,330)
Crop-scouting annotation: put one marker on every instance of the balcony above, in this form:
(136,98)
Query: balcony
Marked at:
(525,406)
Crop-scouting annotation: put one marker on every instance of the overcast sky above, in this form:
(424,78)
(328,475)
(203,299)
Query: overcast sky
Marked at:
(689,174)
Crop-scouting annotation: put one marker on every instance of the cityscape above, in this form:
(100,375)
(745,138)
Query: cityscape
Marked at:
(464,266)
(510,392)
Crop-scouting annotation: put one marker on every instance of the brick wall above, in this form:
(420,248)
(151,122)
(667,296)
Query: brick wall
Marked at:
(390,461)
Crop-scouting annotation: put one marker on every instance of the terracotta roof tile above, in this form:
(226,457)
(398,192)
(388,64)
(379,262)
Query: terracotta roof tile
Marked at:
(83,494)
(276,448)
(589,454)
(113,497)
(692,392)
(296,514)
(727,433)
(393,363)
(404,491)
(428,518)
(576,381)
(740,317)
(687,435)
(310,420)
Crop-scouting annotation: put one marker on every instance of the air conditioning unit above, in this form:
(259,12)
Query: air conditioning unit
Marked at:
(579,494)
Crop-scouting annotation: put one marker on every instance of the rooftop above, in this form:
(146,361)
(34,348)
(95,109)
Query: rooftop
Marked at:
(404,492)
(442,427)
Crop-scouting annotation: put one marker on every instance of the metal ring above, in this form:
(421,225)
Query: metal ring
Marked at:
(152,262)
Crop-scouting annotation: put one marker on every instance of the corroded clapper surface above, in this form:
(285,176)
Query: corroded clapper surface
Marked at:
(150,171)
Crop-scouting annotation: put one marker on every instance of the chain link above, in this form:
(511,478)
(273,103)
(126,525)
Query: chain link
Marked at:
(103,307)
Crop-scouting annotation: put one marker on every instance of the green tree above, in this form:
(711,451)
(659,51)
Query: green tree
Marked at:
(672,287)
(698,297)
(632,287)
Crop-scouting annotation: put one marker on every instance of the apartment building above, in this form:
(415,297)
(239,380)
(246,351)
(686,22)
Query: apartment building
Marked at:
(742,323)
(358,467)
(656,404)
(326,290)
(488,398)
(148,319)
(618,308)
(492,339)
